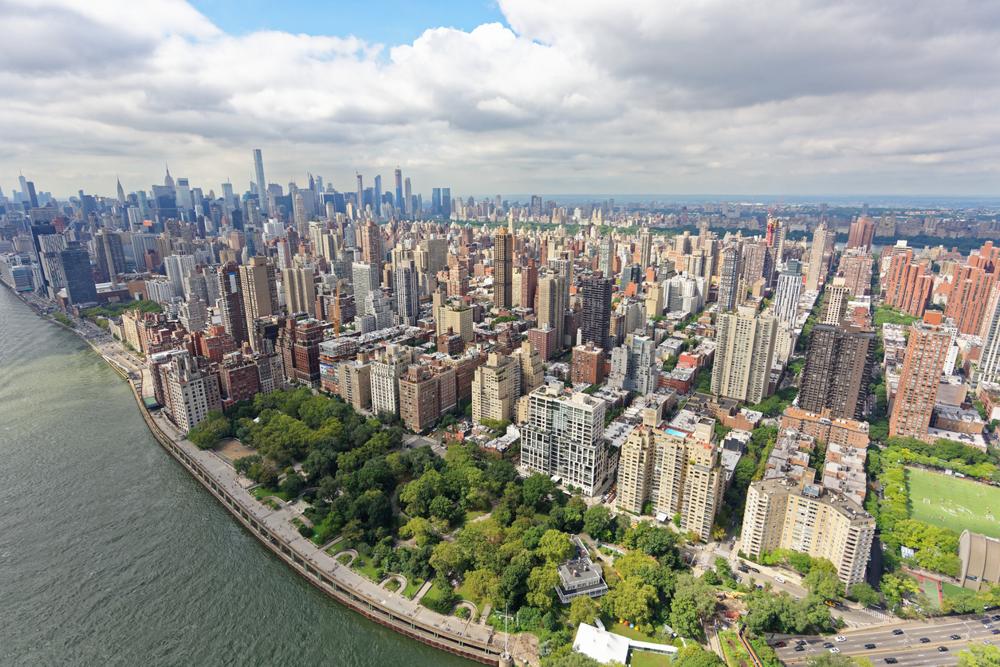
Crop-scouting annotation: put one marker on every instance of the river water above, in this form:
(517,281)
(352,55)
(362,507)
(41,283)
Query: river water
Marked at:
(111,554)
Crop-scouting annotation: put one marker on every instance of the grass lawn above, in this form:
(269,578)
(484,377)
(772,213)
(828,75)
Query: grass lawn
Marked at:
(435,593)
(952,502)
(929,588)
(648,659)
(635,633)
(411,588)
(463,592)
(366,567)
(260,493)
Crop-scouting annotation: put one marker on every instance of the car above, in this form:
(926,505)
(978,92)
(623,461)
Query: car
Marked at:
(801,642)
(996,617)
(869,646)
(955,637)
(942,649)
(799,649)
(841,638)
(780,645)
(996,631)
(897,631)
(780,580)
(925,640)
(828,645)
(755,570)
(891,661)
(988,626)
(835,650)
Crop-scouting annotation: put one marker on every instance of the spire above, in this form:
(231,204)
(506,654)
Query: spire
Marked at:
(121,190)
(168,180)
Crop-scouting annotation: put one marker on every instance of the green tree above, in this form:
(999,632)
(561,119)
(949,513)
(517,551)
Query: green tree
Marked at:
(555,546)
(896,587)
(209,431)
(597,522)
(693,655)
(583,609)
(692,603)
(483,586)
(822,580)
(631,599)
(542,584)
(865,594)
(421,530)
(979,656)
(448,559)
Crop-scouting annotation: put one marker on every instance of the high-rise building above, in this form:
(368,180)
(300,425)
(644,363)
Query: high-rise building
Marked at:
(645,249)
(805,517)
(503,267)
(856,270)
(744,354)
(552,304)
(787,292)
(359,210)
(386,369)
(989,358)
(595,327)
(908,284)
(298,342)
(837,371)
(260,293)
(300,290)
(633,365)
(835,305)
(729,278)
(496,385)
(79,275)
(587,364)
(258,166)
(365,278)
(377,197)
(110,254)
(970,291)
(177,268)
(818,258)
(371,244)
(399,201)
(920,378)
(861,234)
(186,390)
(564,438)
(687,477)
(532,367)
(606,255)
(231,302)
(407,293)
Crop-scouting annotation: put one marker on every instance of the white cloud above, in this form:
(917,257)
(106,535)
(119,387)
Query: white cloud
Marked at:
(574,96)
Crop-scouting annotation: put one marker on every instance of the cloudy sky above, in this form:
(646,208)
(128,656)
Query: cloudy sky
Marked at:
(560,96)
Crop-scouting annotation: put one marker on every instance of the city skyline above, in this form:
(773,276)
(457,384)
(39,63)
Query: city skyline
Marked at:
(690,98)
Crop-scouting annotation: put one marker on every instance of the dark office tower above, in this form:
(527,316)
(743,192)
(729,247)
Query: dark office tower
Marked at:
(110,254)
(838,368)
(436,201)
(503,269)
(41,229)
(31,194)
(729,278)
(398,203)
(596,325)
(361,199)
(80,286)
(446,202)
(231,298)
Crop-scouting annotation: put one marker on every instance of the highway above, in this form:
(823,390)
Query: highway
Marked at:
(906,648)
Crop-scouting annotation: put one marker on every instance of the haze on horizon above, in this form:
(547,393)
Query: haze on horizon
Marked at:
(797,97)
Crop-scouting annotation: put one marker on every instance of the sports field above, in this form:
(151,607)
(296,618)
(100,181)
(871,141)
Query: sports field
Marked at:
(952,502)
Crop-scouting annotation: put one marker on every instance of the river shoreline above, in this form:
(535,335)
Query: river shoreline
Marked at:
(478,643)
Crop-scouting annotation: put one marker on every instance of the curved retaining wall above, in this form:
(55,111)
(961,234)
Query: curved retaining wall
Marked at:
(465,647)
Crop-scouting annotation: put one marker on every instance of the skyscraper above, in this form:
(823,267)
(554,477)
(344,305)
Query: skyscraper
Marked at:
(365,279)
(836,297)
(920,378)
(989,359)
(596,324)
(744,354)
(634,366)
(231,301)
(645,249)
(503,268)
(258,166)
(79,275)
(400,202)
(407,293)
(862,233)
(260,292)
(837,371)
(377,197)
(818,265)
(408,197)
(606,255)
(110,254)
(909,283)
(496,385)
(552,304)
(300,290)
(729,278)
(360,209)
(786,294)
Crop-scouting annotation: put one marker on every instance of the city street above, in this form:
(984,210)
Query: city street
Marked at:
(907,648)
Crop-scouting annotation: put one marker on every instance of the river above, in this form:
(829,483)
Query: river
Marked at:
(111,554)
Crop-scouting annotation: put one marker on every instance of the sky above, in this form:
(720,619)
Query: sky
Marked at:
(798,97)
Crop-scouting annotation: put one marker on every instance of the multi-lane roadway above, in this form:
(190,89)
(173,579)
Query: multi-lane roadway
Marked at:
(906,644)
